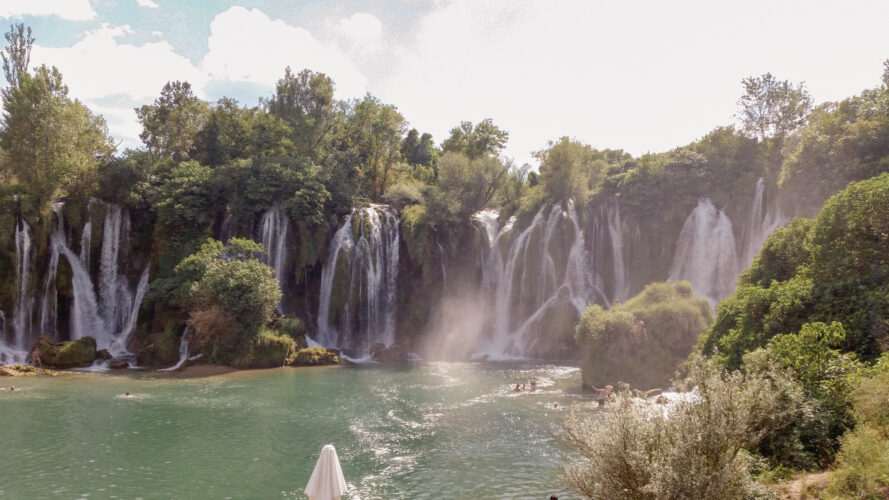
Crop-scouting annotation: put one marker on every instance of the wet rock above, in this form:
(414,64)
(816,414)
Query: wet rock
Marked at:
(119,364)
(103,354)
(396,352)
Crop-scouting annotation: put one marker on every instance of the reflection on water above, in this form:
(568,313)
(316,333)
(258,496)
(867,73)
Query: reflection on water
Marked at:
(425,430)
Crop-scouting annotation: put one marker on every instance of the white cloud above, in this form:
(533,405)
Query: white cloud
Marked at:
(635,75)
(147,3)
(72,10)
(112,78)
(247,45)
(362,29)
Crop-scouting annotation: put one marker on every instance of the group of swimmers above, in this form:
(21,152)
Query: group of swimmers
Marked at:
(522,388)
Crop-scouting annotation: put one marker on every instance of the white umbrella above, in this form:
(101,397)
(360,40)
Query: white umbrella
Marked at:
(327,482)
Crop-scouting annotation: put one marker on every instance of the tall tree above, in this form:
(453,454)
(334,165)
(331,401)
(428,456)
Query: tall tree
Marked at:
(305,102)
(51,143)
(17,54)
(170,125)
(418,149)
(476,141)
(771,108)
(567,169)
(376,131)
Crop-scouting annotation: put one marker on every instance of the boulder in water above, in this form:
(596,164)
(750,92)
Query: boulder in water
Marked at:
(68,354)
(103,354)
(396,352)
(119,364)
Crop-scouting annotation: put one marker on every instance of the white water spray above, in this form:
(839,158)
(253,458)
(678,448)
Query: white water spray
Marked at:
(706,253)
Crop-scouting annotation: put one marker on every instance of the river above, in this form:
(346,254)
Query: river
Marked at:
(419,430)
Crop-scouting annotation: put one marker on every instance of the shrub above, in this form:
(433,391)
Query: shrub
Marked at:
(643,341)
(694,449)
(267,349)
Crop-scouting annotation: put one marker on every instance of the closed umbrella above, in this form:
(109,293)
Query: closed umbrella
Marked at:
(327,482)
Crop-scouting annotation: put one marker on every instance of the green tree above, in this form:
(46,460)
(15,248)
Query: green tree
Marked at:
(375,131)
(771,108)
(305,102)
(567,170)
(418,149)
(171,125)
(51,143)
(227,134)
(17,54)
(465,186)
(478,140)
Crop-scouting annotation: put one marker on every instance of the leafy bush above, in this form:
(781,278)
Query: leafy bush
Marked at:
(695,448)
(644,340)
(267,349)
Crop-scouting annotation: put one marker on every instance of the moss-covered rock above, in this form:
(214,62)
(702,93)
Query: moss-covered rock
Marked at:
(158,349)
(69,354)
(315,356)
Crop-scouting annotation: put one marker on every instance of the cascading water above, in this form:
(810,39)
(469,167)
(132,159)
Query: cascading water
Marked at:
(24,301)
(114,291)
(110,316)
(274,239)
(706,253)
(544,264)
(358,282)
(761,223)
(615,236)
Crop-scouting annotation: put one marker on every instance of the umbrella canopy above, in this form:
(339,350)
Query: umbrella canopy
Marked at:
(327,482)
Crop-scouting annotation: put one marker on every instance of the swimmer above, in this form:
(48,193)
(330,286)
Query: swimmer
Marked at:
(517,388)
(128,395)
(12,388)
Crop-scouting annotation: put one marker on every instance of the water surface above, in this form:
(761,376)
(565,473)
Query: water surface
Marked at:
(423,430)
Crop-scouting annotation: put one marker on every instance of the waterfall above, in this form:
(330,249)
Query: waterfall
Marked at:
(706,253)
(760,224)
(358,282)
(114,291)
(615,235)
(183,353)
(109,316)
(24,302)
(274,239)
(540,268)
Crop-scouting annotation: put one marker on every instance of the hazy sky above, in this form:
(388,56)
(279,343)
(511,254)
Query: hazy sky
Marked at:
(638,75)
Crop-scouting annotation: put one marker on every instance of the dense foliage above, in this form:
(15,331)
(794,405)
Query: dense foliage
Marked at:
(643,341)
(692,448)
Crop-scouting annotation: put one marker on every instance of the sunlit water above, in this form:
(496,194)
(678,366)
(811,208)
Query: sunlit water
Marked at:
(424,430)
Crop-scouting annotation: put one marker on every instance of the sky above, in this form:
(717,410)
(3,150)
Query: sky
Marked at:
(643,76)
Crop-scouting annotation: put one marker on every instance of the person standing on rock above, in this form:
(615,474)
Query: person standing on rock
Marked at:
(603,393)
(35,357)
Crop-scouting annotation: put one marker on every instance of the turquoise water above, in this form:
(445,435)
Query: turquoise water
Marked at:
(424,430)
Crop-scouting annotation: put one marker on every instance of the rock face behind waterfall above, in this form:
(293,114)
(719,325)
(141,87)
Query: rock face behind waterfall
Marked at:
(357,304)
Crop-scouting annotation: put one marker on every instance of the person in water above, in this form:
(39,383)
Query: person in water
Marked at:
(12,388)
(603,393)
(533,385)
(517,388)
(127,395)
